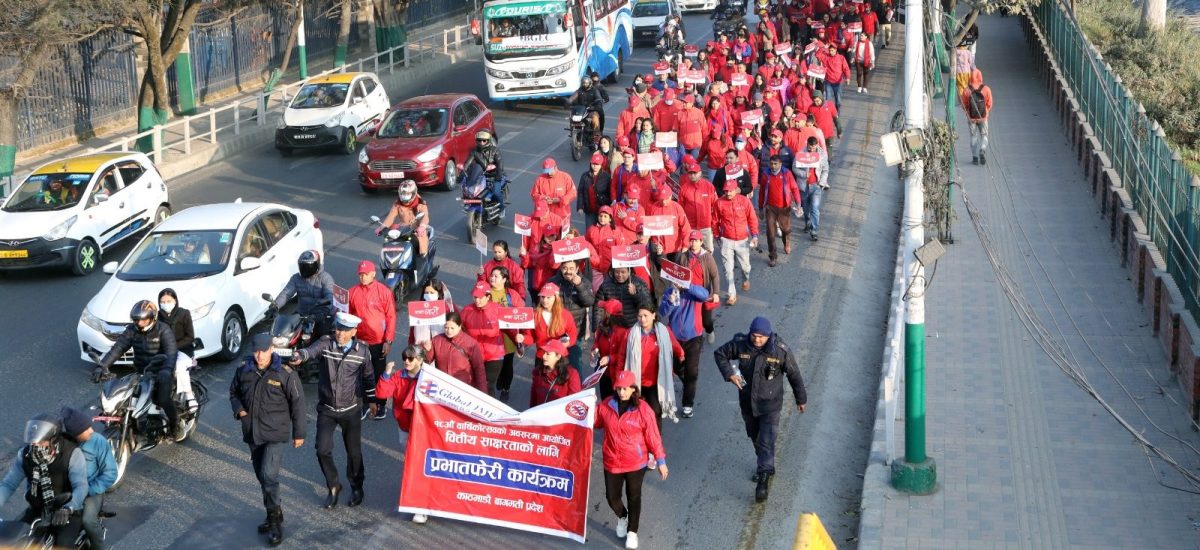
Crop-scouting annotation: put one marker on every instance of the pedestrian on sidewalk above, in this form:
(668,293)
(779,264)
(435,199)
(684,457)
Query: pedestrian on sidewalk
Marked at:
(864,61)
(736,225)
(813,179)
(779,195)
(268,401)
(977,101)
(372,301)
(764,361)
(631,438)
(964,63)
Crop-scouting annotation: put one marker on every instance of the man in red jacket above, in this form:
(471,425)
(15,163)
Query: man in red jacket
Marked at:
(662,205)
(837,72)
(737,226)
(372,301)
(779,195)
(977,102)
(603,236)
(698,197)
(555,187)
(825,115)
(693,131)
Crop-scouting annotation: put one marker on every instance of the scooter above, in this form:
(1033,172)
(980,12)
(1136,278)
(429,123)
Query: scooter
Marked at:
(484,199)
(402,269)
(291,331)
(133,423)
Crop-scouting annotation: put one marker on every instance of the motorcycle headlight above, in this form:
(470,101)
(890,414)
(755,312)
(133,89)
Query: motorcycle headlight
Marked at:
(60,231)
(362,156)
(430,155)
(497,73)
(202,311)
(560,69)
(91,321)
(335,120)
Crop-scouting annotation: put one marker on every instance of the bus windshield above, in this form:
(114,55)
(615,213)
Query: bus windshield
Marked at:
(529,28)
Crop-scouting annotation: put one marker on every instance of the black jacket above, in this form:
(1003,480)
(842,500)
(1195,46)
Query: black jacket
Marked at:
(595,96)
(345,377)
(576,298)
(309,292)
(611,289)
(145,345)
(484,157)
(594,190)
(764,370)
(273,400)
(180,321)
(745,184)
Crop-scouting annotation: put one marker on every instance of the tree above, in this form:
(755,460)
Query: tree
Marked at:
(1154,16)
(341,9)
(390,16)
(981,6)
(163,26)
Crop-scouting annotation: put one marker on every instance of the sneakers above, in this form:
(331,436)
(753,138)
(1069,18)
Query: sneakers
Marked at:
(866,91)
(420,518)
(732,300)
(631,541)
(622,527)
(712,337)
(381,412)
(974,160)
(982,158)
(860,89)
(772,262)
(813,235)
(687,412)
(745,285)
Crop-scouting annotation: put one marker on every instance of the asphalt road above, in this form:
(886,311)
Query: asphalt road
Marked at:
(202,493)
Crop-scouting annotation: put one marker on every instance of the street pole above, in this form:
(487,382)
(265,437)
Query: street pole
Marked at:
(916,473)
(300,43)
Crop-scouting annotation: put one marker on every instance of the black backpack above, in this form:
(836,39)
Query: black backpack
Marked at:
(977,105)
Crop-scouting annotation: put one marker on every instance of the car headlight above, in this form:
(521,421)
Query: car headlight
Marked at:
(560,69)
(60,231)
(362,156)
(497,73)
(430,155)
(202,311)
(91,321)
(335,120)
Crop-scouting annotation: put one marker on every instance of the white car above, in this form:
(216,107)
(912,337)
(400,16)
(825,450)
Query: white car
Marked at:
(688,6)
(68,212)
(332,111)
(649,16)
(219,259)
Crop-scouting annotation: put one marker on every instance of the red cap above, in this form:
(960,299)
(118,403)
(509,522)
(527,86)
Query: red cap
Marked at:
(548,289)
(481,289)
(770,55)
(693,168)
(689,99)
(696,235)
(550,229)
(606,209)
(662,193)
(670,93)
(554,345)
(627,150)
(688,159)
(625,379)
(623,141)
(730,185)
(611,306)
(776,133)
(633,191)
(597,158)
(540,208)
(549,163)
(366,266)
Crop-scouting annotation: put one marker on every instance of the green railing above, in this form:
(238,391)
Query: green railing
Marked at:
(1164,193)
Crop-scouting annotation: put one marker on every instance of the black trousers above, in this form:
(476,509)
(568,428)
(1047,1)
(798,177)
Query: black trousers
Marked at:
(164,396)
(493,368)
(650,396)
(762,430)
(266,459)
(691,369)
(351,424)
(504,381)
(707,319)
(379,365)
(631,482)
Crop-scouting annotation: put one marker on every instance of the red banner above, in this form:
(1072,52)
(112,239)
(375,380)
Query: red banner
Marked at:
(424,314)
(523,225)
(661,68)
(691,50)
(675,273)
(516,318)
(783,47)
(575,248)
(629,255)
(472,458)
(658,226)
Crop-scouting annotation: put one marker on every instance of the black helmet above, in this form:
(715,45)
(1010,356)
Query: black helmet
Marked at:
(586,82)
(144,309)
(310,263)
(41,428)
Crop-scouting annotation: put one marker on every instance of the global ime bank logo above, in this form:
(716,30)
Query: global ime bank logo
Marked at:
(429,388)
(577,409)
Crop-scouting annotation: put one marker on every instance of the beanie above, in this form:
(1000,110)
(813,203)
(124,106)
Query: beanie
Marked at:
(760,325)
(75,422)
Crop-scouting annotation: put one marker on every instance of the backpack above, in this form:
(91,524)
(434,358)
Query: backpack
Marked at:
(977,105)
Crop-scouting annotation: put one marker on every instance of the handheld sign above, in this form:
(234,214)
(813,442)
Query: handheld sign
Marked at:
(650,161)
(692,76)
(341,299)
(594,378)
(575,248)
(523,225)
(855,27)
(658,226)
(739,79)
(427,314)
(783,47)
(629,255)
(691,50)
(516,318)
(816,71)
(666,140)
(818,25)
(661,68)
(807,159)
(481,242)
(752,117)
(675,273)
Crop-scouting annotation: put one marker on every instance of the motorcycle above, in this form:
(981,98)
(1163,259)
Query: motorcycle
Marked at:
(133,423)
(398,260)
(41,534)
(291,331)
(728,20)
(484,199)
(583,125)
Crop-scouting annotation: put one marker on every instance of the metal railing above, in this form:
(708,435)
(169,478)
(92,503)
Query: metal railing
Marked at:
(889,383)
(1164,192)
(231,119)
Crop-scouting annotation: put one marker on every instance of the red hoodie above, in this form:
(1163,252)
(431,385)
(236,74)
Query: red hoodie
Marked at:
(630,438)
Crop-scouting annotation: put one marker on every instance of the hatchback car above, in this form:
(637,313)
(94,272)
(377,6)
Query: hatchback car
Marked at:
(426,139)
(68,212)
(649,16)
(219,259)
(332,112)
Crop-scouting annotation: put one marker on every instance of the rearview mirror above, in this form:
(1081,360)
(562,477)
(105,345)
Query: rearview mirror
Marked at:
(99,197)
(376,219)
(110,268)
(460,129)
(267,297)
(250,262)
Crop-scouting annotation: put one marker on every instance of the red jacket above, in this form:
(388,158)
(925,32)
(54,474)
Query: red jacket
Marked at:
(713,153)
(625,122)
(546,388)
(540,263)
(689,122)
(698,200)
(460,358)
(630,438)
(823,116)
(650,364)
(869,21)
(542,333)
(664,115)
(376,306)
(603,238)
(483,324)
(400,387)
(535,234)
(559,186)
(516,274)
(836,68)
(612,345)
(678,241)
(735,218)
(778,190)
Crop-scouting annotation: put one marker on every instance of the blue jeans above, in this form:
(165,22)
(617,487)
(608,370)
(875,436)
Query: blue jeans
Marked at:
(812,206)
(710,173)
(267,459)
(833,92)
(91,520)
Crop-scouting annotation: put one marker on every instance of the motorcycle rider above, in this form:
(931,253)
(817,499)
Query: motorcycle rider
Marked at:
(486,154)
(404,212)
(593,97)
(101,469)
(671,42)
(180,321)
(55,472)
(313,289)
(149,339)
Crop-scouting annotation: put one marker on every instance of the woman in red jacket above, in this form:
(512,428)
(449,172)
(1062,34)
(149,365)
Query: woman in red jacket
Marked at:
(551,321)
(400,387)
(502,258)
(481,320)
(540,259)
(553,377)
(651,351)
(631,441)
(609,343)
(454,352)
(500,291)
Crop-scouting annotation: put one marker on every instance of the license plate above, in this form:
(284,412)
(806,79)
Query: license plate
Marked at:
(284,352)
(471,201)
(391,175)
(393,249)
(527,83)
(106,419)
(14,253)
(305,136)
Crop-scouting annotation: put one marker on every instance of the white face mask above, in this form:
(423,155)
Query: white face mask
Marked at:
(167,306)
(430,296)
(740,145)
(669,101)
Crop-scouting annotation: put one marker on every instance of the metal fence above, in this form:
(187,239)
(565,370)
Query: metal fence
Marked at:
(422,12)
(1164,193)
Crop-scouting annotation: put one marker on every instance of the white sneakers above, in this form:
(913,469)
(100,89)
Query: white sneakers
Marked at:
(631,541)
(687,412)
(712,337)
(420,518)
(622,527)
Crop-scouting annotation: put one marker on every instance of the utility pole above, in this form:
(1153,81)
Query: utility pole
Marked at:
(916,473)
(300,42)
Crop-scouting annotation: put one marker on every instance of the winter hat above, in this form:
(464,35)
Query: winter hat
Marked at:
(760,325)
(75,422)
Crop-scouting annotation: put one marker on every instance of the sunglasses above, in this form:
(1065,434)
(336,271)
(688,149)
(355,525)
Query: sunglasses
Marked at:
(482,141)
(411,358)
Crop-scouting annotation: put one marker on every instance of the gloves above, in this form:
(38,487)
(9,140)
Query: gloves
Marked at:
(61,517)
(379,231)
(101,374)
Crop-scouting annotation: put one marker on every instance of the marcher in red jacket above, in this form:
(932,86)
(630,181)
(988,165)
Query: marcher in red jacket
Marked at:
(541,217)
(501,257)
(481,320)
(825,115)
(401,386)
(553,377)
(603,236)
(500,292)
(631,440)
(555,187)
(372,301)
(689,122)
(665,111)
(634,112)
(663,205)
(645,336)
(737,226)
(540,260)
(779,195)
(454,352)
(697,196)
(551,321)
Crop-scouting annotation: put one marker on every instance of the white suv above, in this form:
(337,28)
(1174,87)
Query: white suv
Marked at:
(332,111)
(68,212)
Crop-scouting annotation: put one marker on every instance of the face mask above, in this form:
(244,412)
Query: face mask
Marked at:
(547,171)
(639,88)
(167,306)
(430,296)
(740,145)
(669,101)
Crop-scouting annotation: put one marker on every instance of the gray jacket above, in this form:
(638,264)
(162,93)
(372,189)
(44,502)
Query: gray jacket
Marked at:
(822,168)
(308,292)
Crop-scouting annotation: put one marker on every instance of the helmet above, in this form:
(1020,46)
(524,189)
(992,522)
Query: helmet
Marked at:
(309,262)
(482,135)
(586,83)
(407,191)
(41,428)
(144,309)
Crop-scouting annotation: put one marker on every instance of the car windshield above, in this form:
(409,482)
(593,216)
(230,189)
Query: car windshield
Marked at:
(178,255)
(650,9)
(534,28)
(321,96)
(413,123)
(43,192)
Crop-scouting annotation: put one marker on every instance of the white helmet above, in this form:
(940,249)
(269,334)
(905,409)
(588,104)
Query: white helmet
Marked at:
(407,191)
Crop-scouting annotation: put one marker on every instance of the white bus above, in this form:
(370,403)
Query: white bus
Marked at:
(540,49)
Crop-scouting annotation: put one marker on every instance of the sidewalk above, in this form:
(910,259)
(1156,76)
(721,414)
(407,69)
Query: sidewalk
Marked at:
(1026,458)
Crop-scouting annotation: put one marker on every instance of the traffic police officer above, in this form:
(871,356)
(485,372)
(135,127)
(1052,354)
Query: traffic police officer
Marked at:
(346,378)
(763,362)
(267,398)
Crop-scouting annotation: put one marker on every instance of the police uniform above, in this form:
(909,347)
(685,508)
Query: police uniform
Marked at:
(346,378)
(273,401)
(761,398)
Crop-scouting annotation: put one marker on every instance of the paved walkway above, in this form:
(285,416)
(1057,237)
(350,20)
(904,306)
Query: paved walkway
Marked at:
(1025,457)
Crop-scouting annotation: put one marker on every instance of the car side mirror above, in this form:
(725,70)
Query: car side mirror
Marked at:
(99,197)
(249,262)
(357,100)
(460,129)
(110,268)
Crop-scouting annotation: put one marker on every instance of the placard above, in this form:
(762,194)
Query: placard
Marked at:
(516,318)
(629,255)
(818,25)
(341,299)
(575,248)
(692,76)
(675,273)
(658,226)
(427,314)
(481,242)
(661,68)
(854,27)
(522,225)
(739,79)
(783,48)
(807,159)
(752,117)
(593,378)
(691,50)
(816,71)
(650,161)
(666,140)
